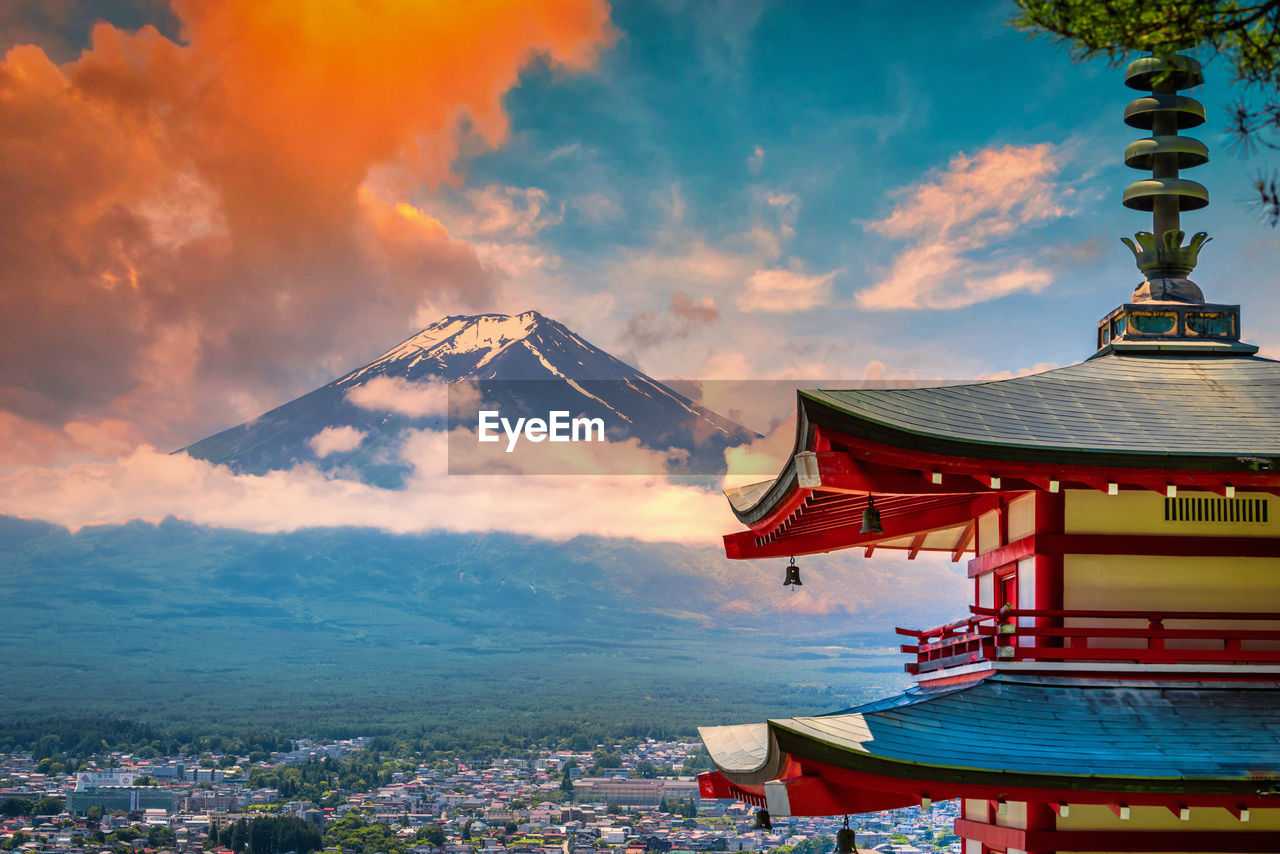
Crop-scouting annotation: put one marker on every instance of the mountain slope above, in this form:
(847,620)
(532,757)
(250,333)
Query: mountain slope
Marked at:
(524,363)
(359,628)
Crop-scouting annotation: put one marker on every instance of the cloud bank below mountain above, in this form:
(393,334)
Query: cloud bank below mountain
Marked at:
(149,485)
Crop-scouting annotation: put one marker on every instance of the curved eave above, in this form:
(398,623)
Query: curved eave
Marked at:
(797,744)
(1232,436)
(1033,733)
(784,488)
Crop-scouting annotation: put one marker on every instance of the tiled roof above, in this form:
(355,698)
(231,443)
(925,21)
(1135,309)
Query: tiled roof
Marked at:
(1156,405)
(1042,731)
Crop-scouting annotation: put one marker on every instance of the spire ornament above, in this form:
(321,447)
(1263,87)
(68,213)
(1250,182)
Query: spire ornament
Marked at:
(1161,257)
(1167,313)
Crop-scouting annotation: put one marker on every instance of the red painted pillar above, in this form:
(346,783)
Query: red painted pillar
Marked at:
(1050,519)
(984,816)
(1040,816)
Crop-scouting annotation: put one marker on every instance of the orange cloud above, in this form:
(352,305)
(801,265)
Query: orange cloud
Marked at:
(780,291)
(186,225)
(975,204)
(680,319)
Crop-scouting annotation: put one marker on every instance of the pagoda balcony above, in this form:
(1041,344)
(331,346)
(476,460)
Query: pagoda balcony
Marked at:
(1076,639)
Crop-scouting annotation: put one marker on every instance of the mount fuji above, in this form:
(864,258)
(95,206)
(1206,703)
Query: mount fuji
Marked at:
(479,635)
(518,363)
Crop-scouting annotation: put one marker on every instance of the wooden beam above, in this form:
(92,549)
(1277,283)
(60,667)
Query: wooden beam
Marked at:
(1003,555)
(1121,841)
(838,471)
(990,835)
(781,511)
(745,545)
(916,544)
(1156,545)
(1148,545)
(966,540)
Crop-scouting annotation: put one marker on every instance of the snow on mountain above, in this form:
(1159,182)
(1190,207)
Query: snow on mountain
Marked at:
(505,356)
(444,342)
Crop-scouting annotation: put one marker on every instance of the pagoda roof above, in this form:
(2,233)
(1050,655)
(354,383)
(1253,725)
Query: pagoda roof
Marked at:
(1154,421)
(1032,731)
(1113,406)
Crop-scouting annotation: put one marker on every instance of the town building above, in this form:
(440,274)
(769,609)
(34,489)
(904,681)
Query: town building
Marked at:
(634,792)
(130,799)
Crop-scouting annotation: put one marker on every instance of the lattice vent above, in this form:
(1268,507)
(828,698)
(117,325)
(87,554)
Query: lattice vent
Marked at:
(1215,510)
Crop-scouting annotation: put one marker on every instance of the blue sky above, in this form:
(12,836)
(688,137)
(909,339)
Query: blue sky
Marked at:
(216,207)
(701,113)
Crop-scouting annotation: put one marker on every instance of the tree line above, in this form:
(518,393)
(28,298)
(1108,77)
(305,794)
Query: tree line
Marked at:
(268,835)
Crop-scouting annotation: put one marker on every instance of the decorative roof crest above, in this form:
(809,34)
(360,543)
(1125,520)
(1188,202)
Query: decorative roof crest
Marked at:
(1164,112)
(1167,313)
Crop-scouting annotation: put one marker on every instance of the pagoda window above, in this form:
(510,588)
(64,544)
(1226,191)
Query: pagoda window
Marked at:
(984,586)
(1021,513)
(1209,323)
(989,537)
(1119,325)
(1007,587)
(1153,322)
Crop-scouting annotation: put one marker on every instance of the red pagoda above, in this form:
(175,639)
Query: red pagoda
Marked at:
(1115,686)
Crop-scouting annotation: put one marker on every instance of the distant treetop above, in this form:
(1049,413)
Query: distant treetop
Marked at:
(1245,36)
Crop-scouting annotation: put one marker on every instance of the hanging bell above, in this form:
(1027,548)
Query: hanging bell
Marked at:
(846,839)
(793,575)
(762,820)
(871,518)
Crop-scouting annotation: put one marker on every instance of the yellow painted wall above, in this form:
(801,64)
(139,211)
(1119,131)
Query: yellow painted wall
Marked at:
(975,809)
(1124,582)
(1136,582)
(1097,817)
(989,532)
(1142,512)
(1015,815)
(1022,516)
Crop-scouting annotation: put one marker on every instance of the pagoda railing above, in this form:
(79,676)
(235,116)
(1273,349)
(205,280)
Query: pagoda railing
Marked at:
(1095,636)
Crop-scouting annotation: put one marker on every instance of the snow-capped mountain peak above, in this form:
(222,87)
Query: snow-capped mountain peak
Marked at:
(439,344)
(520,363)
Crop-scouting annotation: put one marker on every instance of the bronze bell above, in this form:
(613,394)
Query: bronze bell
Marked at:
(846,839)
(871,518)
(793,575)
(762,820)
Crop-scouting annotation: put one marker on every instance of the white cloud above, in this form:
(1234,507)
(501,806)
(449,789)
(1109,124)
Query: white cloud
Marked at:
(1037,368)
(778,291)
(976,205)
(151,485)
(503,212)
(935,275)
(395,394)
(336,440)
(763,458)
